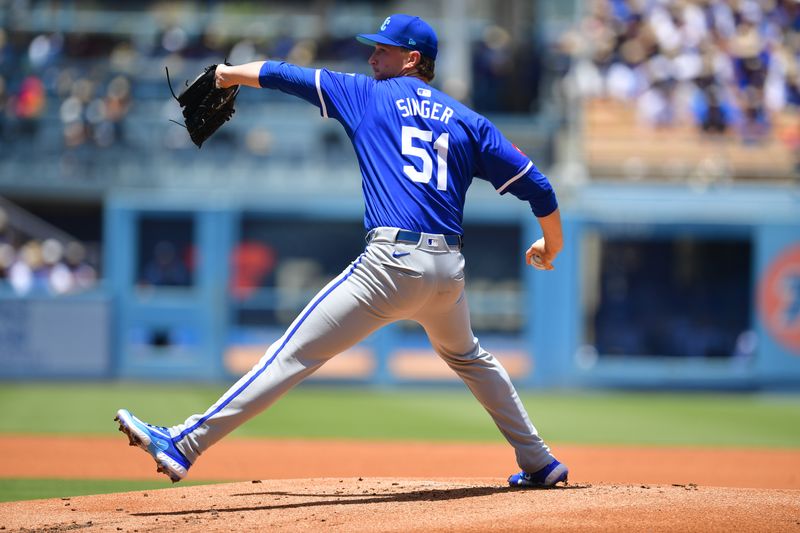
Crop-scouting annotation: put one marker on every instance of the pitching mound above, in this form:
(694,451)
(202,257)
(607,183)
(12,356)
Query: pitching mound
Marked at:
(407,487)
(391,504)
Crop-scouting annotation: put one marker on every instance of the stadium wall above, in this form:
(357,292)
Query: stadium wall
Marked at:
(130,330)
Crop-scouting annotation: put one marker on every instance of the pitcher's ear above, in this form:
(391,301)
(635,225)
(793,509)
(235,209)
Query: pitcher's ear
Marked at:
(413,58)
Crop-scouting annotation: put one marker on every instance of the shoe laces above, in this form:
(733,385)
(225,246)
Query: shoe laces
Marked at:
(162,429)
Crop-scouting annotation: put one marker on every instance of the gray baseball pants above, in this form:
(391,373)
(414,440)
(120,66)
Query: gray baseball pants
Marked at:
(390,281)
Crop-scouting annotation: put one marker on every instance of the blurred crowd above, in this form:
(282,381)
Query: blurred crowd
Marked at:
(724,65)
(88,83)
(51,75)
(42,266)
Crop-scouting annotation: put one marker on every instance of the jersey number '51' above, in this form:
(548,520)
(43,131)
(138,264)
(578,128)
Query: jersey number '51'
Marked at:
(410,133)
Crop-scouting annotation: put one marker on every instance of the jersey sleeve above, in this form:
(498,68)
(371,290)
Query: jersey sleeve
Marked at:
(338,95)
(510,171)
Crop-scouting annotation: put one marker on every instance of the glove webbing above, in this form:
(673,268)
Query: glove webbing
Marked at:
(205,107)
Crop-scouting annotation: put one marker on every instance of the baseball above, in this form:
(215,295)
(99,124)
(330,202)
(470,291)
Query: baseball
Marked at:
(537,262)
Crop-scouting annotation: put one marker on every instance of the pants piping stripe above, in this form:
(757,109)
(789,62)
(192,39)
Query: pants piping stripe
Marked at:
(261,370)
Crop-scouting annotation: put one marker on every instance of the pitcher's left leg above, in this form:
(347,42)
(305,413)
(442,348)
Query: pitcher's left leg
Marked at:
(336,319)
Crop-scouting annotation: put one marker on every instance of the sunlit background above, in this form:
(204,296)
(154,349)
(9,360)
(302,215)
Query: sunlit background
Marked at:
(669,129)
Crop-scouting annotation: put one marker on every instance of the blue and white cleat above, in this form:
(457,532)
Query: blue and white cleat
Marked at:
(156,441)
(547,477)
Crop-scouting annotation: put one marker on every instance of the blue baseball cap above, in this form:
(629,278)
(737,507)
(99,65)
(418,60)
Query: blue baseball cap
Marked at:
(405,31)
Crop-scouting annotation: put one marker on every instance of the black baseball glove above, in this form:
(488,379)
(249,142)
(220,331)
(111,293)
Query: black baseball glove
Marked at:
(205,107)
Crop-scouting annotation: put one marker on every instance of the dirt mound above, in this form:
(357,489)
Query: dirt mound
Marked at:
(406,486)
(394,504)
(26,456)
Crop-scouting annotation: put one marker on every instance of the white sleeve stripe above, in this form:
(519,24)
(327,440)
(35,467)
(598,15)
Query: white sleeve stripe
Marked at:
(319,93)
(515,178)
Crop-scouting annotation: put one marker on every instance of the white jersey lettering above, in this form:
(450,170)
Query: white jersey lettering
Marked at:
(425,108)
(411,107)
(416,108)
(448,112)
(435,111)
(401,105)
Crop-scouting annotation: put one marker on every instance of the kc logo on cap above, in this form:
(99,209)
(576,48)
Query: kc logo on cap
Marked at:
(405,31)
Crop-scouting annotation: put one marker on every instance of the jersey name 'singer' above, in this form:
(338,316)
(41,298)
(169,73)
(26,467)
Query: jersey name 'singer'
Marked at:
(410,107)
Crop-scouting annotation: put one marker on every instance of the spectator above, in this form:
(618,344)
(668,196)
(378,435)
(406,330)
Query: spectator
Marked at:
(106,115)
(3,107)
(738,61)
(713,114)
(657,103)
(252,263)
(28,273)
(59,278)
(7,258)
(6,52)
(173,41)
(493,66)
(45,50)
(7,252)
(30,105)
(4,227)
(165,267)
(84,275)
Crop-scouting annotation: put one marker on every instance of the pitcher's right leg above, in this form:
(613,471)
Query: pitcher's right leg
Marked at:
(451,335)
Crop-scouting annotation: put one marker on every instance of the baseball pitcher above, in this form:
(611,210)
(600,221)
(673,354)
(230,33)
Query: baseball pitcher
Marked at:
(418,151)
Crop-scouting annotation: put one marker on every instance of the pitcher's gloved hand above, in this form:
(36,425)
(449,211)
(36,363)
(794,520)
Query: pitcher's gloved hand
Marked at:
(205,107)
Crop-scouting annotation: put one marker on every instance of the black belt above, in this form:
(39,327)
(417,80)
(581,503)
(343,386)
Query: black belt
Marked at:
(413,237)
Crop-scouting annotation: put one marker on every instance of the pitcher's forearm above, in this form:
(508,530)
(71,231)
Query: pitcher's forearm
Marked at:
(246,74)
(552,232)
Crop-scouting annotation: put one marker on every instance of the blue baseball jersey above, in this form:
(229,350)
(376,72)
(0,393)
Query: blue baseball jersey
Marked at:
(418,149)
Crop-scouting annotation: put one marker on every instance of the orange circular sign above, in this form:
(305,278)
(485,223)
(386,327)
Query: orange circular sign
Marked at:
(779,298)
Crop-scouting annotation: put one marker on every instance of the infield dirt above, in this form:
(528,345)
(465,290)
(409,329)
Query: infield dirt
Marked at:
(295,485)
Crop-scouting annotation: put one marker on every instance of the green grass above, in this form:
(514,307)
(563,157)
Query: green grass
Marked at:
(728,420)
(35,489)
(743,420)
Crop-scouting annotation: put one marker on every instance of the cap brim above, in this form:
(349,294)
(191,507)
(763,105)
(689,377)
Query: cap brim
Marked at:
(371,39)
